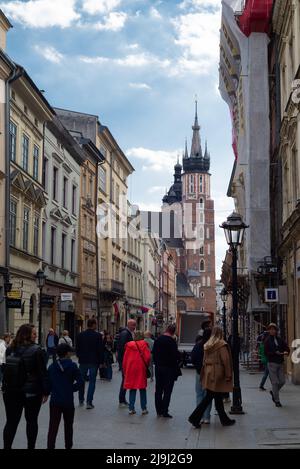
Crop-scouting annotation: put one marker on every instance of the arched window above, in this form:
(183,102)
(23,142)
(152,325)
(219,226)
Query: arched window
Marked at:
(202,250)
(202,266)
(201,204)
(202,295)
(201,184)
(192,184)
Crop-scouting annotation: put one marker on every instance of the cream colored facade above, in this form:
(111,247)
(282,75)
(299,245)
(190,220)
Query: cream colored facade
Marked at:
(29,111)
(286,24)
(151,260)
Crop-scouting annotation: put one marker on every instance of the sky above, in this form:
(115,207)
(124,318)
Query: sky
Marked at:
(138,65)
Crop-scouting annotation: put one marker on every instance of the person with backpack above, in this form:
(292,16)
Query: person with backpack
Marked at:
(197,360)
(65,339)
(25,385)
(64,379)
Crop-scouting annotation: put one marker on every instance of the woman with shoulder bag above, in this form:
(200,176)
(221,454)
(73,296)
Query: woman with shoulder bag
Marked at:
(136,363)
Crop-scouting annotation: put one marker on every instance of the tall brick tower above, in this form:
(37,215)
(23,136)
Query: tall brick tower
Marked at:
(195,251)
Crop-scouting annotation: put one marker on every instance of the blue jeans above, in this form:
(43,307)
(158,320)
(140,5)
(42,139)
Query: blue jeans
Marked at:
(200,395)
(84,369)
(108,372)
(132,397)
(265,377)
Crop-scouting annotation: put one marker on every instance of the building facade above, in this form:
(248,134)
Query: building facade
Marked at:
(29,112)
(63,159)
(151,261)
(285,183)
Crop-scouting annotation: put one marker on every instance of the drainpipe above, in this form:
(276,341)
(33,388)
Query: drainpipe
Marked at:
(15,75)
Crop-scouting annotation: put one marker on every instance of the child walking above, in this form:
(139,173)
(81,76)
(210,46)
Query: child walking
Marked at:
(65,379)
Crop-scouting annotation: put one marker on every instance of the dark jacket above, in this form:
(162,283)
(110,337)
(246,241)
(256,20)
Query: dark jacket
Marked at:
(56,340)
(271,348)
(63,384)
(89,348)
(166,354)
(197,356)
(36,382)
(125,336)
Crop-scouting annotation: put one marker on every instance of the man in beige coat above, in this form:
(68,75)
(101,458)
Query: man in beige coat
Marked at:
(216,377)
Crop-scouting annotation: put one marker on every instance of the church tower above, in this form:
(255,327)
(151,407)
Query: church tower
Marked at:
(199,222)
(195,250)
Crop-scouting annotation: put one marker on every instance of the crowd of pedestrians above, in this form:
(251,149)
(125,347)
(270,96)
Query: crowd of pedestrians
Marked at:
(28,379)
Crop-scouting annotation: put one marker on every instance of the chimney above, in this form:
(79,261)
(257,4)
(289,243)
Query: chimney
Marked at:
(5,25)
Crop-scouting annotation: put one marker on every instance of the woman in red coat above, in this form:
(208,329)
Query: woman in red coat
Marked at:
(136,360)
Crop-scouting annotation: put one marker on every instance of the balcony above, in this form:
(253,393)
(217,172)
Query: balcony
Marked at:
(112,287)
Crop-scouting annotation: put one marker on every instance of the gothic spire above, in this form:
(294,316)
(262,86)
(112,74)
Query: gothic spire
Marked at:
(186,153)
(196,150)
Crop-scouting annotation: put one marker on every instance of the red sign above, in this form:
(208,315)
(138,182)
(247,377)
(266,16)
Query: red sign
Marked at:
(256,17)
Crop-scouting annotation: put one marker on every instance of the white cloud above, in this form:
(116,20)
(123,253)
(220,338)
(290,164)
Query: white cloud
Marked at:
(197,34)
(131,60)
(155,160)
(145,207)
(115,21)
(94,7)
(157,190)
(49,53)
(140,86)
(154,13)
(199,4)
(42,13)
(133,46)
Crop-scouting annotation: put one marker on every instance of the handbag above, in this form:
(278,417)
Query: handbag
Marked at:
(148,372)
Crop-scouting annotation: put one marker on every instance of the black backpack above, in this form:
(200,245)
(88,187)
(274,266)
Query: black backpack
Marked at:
(15,373)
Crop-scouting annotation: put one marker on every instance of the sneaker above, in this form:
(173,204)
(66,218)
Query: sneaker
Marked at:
(132,412)
(81,403)
(145,412)
(123,404)
(278,404)
(262,388)
(90,406)
(206,422)
(167,416)
(196,425)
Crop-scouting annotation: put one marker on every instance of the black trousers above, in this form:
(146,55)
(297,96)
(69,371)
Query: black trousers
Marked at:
(14,405)
(164,385)
(55,417)
(122,393)
(197,415)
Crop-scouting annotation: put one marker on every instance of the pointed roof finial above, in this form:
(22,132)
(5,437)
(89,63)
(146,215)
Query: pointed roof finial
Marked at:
(186,153)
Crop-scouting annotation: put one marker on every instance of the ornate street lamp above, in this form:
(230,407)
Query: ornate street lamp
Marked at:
(234,229)
(40,281)
(224,296)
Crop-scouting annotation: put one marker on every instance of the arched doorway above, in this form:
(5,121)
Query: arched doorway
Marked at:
(33,310)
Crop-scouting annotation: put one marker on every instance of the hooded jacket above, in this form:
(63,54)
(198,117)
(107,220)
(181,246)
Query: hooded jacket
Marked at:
(217,370)
(64,379)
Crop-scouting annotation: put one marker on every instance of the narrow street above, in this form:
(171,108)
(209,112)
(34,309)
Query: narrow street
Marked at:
(108,426)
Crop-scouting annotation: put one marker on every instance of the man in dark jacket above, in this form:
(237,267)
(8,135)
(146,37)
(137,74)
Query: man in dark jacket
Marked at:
(275,350)
(127,335)
(90,353)
(51,344)
(166,358)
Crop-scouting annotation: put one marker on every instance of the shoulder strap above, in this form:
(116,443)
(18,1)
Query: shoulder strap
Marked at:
(141,354)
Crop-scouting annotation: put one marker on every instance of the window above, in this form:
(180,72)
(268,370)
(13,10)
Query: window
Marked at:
(201,232)
(63,250)
(45,174)
(102,179)
(25,152)
(53,245)
(207,233)
(203,282)
(201,184)
(91,193)
(201,204)
(65,192)
(36,152)
(73,255)
(202,266)
(13,95)
(13,222)
(202,295)
(202,250)
(201,217)
(191,184)
(36,231)
(208,249)
(44,239)
(74,199)
(84,185)
(55,186)
(112,191)
(26,215)
(208,281)
(117,195)
(12,141)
